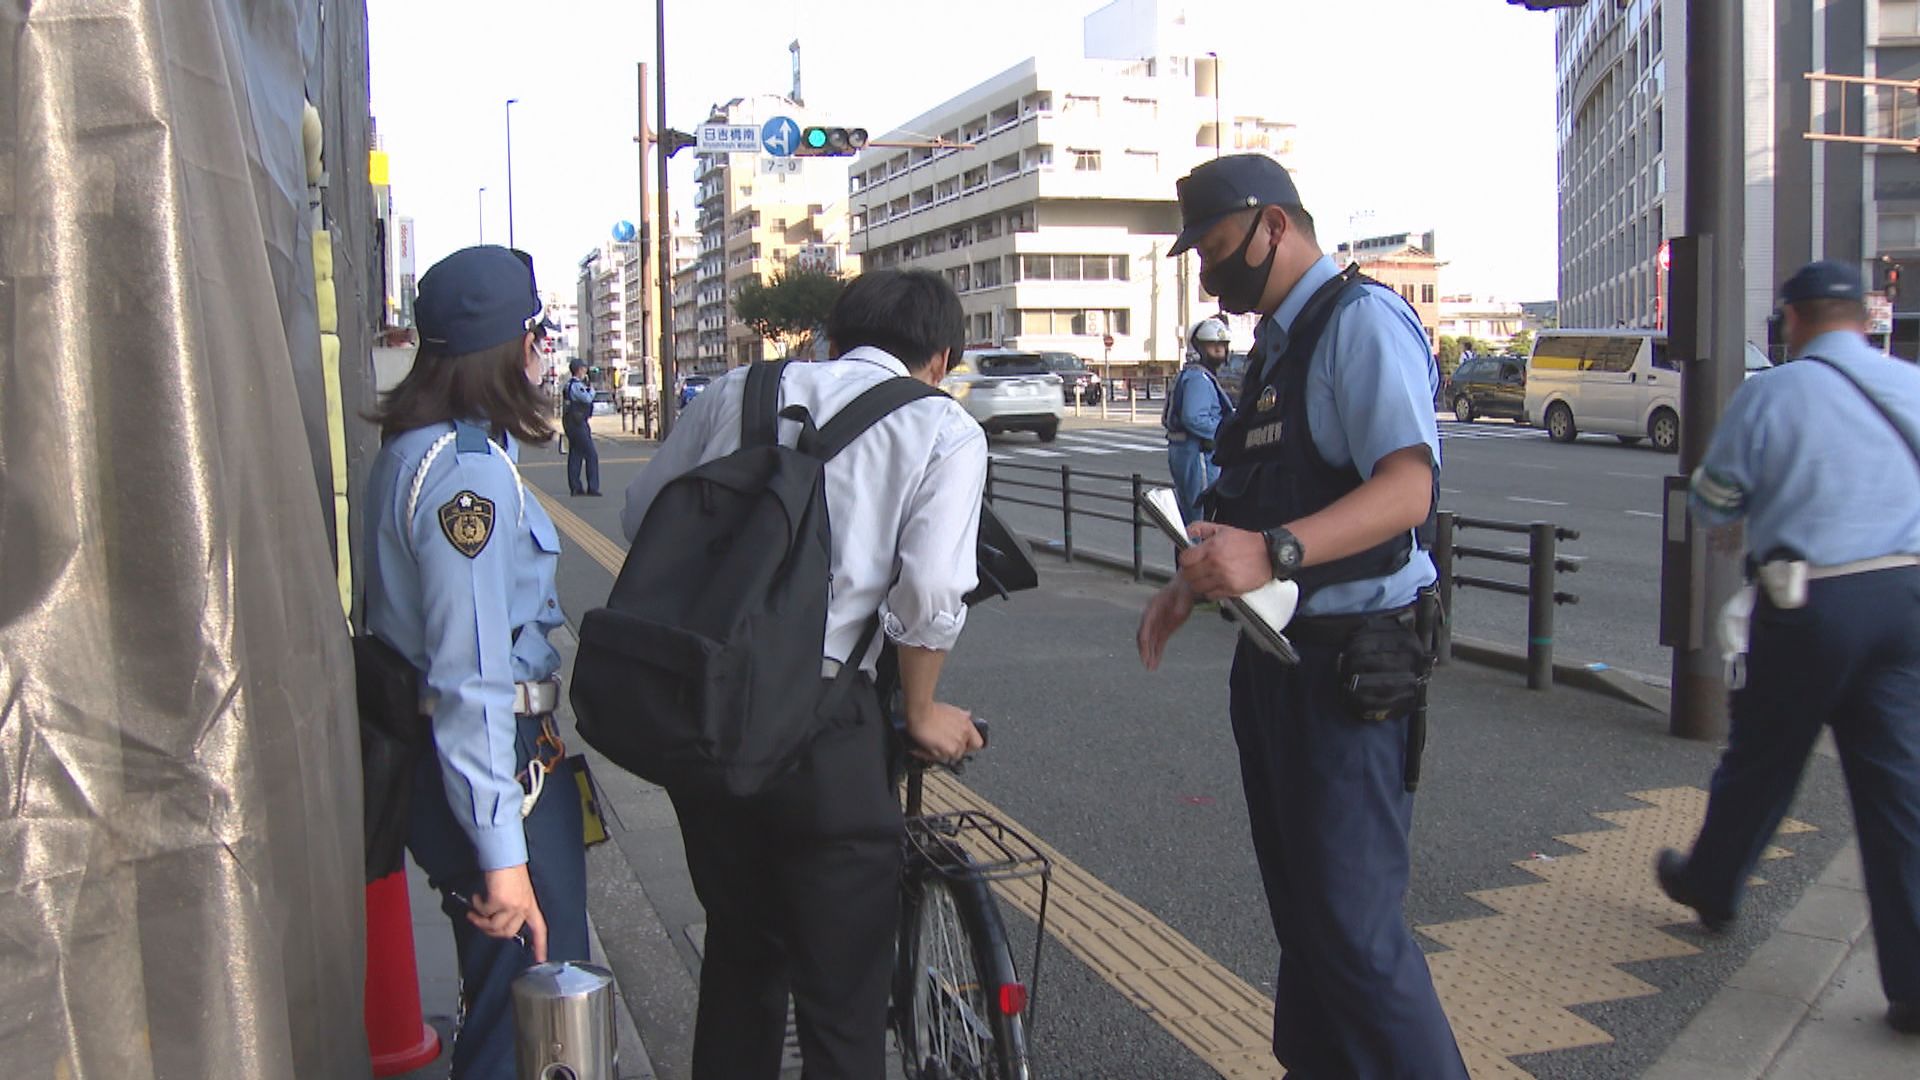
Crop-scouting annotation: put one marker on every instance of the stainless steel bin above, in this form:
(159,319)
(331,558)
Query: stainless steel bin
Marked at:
(563,1020)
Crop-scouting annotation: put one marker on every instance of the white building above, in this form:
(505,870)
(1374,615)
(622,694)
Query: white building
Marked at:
(608,292)
(1054,221)
(1493,321)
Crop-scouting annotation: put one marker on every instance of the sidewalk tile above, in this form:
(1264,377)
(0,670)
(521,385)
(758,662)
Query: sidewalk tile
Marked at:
(1846,1037)
(1792,966)
(1739,1029)
(1826,912)
(1845,871)
(1673,1069)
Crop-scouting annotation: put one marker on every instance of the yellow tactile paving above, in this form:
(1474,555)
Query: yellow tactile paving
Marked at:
(1506,980)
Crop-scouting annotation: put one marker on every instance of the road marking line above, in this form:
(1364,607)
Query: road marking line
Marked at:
(1115,444)
(1507,982)
(1451,491)
(1647,514)
(1034,451)
(558,462)
(1632,476)
(1534,502)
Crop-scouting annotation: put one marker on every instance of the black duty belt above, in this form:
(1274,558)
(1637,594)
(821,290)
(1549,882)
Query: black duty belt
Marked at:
(1336,630)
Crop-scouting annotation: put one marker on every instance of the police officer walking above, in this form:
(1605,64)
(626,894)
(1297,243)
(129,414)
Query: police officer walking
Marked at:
(575,417)
(1821,459)
(1196,408)
(462,586)
(1329,472)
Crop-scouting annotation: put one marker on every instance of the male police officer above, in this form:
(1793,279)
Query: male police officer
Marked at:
(576,421)
(1821,458)
(1328,477)
(1195,410)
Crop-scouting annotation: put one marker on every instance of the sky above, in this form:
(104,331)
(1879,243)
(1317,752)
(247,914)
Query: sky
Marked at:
(1416,114)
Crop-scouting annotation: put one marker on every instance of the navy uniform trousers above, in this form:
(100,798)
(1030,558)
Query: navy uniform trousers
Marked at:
(1327,800)
(582,456)
(1850,659)
(483,1049)
(801,884)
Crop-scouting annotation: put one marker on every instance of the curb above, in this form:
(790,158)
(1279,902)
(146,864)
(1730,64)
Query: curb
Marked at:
(1594,677)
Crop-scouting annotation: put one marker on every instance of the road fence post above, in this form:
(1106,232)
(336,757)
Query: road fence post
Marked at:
(1066,510)
(1443,567)
(1540,599)
(988,493)
(1139,563)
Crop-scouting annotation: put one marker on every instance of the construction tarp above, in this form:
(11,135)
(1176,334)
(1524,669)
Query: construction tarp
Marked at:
(181,889)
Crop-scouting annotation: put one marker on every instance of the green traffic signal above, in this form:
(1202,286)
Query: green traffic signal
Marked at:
(831,142)
(816,138)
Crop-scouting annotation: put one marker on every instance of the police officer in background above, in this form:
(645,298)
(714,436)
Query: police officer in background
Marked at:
(1196,408)
(576,414)
(1329,473)
(1821,459)
(462,587)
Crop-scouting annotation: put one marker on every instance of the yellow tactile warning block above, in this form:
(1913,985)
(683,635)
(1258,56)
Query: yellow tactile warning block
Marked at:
(1506,980)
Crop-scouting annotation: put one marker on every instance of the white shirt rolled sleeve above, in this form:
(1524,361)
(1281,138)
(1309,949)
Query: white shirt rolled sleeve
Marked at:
(936,569)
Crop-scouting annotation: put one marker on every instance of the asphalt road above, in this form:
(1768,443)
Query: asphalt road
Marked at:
(1492,470)
(1134,776)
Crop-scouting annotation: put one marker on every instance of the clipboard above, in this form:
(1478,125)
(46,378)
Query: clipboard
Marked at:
(1264,613)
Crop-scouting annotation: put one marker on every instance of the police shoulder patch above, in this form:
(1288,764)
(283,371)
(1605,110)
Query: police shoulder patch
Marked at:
(467,521)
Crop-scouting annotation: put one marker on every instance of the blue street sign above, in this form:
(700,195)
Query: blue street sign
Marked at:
(623,231)
(780,137)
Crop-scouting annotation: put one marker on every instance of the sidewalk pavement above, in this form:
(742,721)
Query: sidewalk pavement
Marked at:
(1807,1005)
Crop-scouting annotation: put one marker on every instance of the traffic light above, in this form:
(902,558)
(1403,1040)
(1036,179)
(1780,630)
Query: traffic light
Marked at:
(675,141)
(831,142)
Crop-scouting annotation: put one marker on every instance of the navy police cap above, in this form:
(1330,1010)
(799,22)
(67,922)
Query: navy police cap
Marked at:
(474,299)
(1227,185)
(1822,281)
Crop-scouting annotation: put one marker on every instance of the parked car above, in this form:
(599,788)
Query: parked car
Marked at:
(691,386)
(1074,374)
(1489,386)
(1615,382)
(603,403)
(1008,391)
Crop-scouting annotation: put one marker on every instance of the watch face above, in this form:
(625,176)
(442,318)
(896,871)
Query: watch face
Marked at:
(1285,550)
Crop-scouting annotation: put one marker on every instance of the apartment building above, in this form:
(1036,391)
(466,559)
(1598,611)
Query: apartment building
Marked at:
(756,215)
(608,292)
(1406,263)
(1054,217)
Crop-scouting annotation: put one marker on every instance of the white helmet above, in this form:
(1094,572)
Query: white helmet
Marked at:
(1208,330)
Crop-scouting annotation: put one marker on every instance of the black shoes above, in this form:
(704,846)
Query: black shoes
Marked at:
(593,494)
(1671,869)
(1904,1017)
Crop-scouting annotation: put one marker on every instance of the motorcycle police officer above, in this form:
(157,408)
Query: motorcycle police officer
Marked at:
(1821,459)
(462,587)
(1196,408)
(1329,475)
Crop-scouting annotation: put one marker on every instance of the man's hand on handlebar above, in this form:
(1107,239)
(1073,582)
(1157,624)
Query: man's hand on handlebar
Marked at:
(941,733)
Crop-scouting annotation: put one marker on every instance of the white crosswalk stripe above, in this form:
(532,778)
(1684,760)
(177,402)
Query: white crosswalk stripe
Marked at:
(1457,430)
(1034,451)
(1118,440)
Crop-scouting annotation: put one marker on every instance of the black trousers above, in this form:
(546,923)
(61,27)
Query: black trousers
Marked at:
(801,886)
(582,454)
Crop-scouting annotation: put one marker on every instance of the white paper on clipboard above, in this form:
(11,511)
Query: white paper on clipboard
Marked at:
(1263,613)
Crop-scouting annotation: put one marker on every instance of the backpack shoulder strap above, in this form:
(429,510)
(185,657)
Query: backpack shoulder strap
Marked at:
(1900,428)
(760,404)
(867,410)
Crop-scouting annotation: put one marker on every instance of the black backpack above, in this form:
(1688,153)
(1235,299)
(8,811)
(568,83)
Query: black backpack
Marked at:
(703,672)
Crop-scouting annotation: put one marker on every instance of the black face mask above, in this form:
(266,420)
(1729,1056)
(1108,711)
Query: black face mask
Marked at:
(1238,285)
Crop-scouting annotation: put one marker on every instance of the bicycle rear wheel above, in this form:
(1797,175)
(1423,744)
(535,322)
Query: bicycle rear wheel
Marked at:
(957,997)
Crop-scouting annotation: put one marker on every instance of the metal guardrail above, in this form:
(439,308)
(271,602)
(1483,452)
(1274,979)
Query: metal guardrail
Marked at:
(1543,564)
(1062,486)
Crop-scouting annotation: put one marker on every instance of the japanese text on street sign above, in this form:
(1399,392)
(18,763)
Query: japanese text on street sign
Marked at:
(729,139)
(1879,314)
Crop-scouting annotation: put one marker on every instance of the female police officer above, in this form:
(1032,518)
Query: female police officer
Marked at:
(462,586)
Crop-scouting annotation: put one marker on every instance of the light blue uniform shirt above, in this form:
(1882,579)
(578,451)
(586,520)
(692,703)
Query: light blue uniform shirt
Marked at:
(1811,465)
(579,392)
(1376,400)
(453,614)
(1203,405)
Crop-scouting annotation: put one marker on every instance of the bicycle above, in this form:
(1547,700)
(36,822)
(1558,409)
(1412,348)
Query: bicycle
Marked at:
(960,1010)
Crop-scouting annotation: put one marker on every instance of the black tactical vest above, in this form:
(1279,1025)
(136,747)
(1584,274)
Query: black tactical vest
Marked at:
(1270,470)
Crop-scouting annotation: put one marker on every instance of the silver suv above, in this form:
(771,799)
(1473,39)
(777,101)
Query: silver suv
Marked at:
(1008,391)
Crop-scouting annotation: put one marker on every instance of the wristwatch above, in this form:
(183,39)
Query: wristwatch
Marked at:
(1284,552)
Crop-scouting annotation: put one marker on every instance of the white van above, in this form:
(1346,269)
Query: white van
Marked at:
(1609,382)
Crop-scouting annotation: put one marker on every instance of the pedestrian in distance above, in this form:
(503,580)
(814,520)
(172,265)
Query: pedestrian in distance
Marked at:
(1196,407)
(1329,473)
(583,458)
(462,586)
(1820,459)
(800,876)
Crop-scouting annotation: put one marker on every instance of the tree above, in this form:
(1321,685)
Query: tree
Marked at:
(1449,353)
(790,309)
(1522,344)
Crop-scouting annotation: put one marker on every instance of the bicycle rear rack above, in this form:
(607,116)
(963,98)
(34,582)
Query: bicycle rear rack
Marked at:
(970,845)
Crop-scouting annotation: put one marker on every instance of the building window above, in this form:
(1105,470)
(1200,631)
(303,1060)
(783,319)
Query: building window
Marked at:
(1426,294)
(1036,267)
(1142,108)
(986,275)
(982,327)
(1086,105)
(1144,160)
(1085,160)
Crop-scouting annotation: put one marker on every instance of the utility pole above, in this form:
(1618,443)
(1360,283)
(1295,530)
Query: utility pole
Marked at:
(1708,282)
(1219,135)
(483,216)
(645,250)
(664,233)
